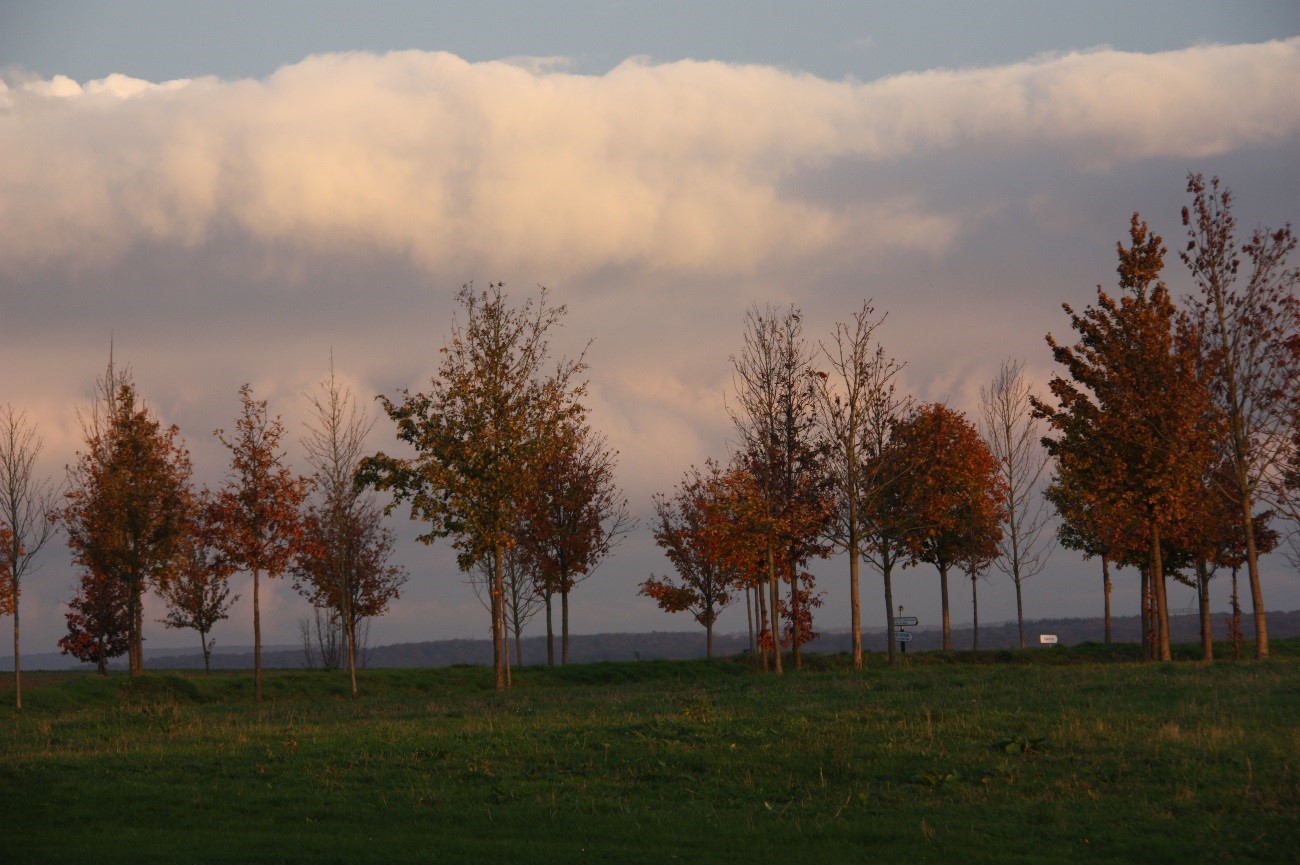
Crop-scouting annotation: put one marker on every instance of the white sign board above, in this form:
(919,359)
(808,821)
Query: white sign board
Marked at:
(903,636)
(1047,639)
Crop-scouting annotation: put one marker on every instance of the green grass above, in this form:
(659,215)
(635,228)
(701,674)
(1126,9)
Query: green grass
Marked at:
(1069,755)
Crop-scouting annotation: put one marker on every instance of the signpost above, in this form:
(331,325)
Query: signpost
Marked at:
(901,621)
(1047,639)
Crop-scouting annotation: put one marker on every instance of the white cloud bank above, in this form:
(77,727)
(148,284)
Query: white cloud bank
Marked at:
(678,167)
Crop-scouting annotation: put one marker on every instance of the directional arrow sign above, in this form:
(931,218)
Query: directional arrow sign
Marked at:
(905,621)
(903,636)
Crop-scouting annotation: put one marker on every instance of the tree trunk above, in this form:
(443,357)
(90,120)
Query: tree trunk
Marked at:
(776,608)
(1020,612)
(760,592)
(257,640)
(1162,600)
(1105,591)
(975,612)
(708,641)
(207,653)
(943,593)
(564,627)
(1252,569)
(1203,605)
(18,667)
(351,634)
(855,601)
(498,637)
(749,618)
(550,631)
(1147,627)
(889,608)
(795,636)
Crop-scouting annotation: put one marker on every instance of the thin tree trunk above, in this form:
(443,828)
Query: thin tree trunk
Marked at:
(708,641)
(749,616)
(855,600)
(498,637)
(795,636)
(975,611)
(760,592)
(1020,611)
(550,631)
(257,640)
(18,667)
(203,644)
(1105,591)
(350,631)
(886,566)
(1203,605)
(943,592)
(564,627)
(1162,600)
(1147,628)
(776,607)
(1252,568)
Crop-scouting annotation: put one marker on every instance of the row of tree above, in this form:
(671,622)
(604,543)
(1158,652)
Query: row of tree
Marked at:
(1174,442)
(135,522)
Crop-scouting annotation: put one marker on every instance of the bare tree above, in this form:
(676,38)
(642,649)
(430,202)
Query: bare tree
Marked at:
(343,561)
(1253,330)
(775,418)
(1014,438)
(26,503)
(860,377)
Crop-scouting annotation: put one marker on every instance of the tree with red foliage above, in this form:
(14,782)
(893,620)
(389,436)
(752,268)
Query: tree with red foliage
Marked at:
(574,517)
(255,514)
(198,593)
(956,491)
(128,503)
(99,621)
(701,533)
(1135,423)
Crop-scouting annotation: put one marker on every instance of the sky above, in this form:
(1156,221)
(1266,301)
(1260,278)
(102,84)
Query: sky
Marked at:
(226,193)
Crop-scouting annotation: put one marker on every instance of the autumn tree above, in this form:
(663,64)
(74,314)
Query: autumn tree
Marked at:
(256,515)
(1249,318)
(956,493)
(343,559)
(574,517)
(701,534)
(480,433)
(1013,436)
(99,621)
(128,502)
(775,416)
(27,502)
(198,593)
(1087,523)
(860,380)
(1133,416)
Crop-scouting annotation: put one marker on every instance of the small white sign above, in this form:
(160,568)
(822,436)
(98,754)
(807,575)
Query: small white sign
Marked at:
(1047,639)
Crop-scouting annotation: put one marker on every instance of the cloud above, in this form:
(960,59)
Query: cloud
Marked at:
(679,167)
(229,231)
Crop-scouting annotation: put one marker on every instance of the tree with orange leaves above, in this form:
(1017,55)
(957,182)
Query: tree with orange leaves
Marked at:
(256,515)
(198,594)
(957,494)
(480,434)
(99,622)
(1133,418)
(703,535)
(128,502)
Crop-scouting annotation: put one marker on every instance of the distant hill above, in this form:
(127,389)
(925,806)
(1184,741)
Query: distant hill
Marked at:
(588,648)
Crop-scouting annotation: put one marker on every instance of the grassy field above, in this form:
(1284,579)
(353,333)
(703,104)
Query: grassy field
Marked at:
(1072,755)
